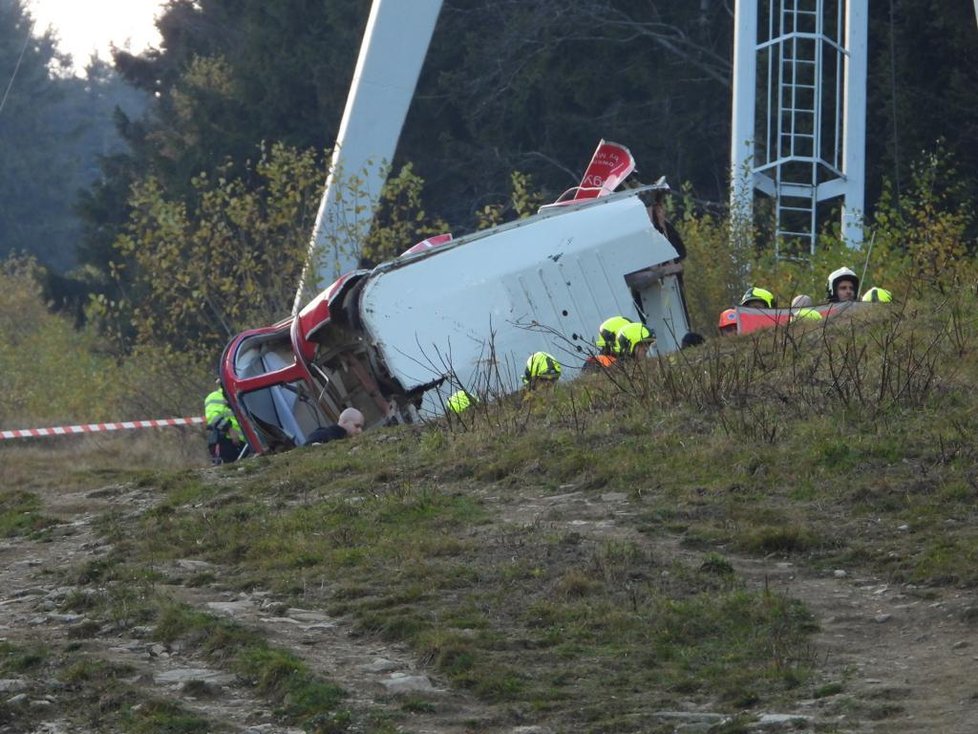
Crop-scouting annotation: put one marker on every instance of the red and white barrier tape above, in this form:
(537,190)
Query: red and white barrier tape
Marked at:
(99,427)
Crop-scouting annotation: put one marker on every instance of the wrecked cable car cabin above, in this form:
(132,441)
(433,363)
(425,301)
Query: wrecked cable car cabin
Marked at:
(397,340)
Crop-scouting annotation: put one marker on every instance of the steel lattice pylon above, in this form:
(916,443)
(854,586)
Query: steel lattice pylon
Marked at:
(799,110)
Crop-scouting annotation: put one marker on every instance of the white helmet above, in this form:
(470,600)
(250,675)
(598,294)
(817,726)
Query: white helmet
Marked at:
(835,276)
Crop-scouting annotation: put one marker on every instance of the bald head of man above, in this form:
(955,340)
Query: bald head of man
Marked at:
(351,421)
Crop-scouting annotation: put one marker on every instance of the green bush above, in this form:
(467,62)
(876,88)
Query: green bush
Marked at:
(916,243)
(49,371)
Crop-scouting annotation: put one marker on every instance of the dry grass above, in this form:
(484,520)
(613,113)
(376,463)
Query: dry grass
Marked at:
(521,552)
(72,462)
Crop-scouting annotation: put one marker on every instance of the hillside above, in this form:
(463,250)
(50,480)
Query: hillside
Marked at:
(760,534)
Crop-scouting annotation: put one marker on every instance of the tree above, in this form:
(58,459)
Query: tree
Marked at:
(233,73)
(534,86)
(508,86)
(230,74)
(923,88)
(400,220)
(53,128)
(49,370)
(193,274)
(31,182)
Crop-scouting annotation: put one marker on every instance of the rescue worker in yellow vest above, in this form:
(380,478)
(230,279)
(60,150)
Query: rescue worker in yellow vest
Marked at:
(802,309)
(607,333)
(225,440)
(756,297)
(607,344)
(877,295)
(541,370)
(635,340)
(459,401)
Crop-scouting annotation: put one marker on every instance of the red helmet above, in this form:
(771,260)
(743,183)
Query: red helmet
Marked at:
(728,321)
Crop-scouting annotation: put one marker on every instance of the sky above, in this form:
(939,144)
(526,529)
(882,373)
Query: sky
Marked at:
(84,26)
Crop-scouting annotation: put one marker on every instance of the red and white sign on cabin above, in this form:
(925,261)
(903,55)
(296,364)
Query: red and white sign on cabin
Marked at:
(435,241)
(609,166)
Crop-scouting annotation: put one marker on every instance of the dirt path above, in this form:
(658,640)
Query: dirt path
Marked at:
(30,616)
(903,660)
(378,678)
(906,660)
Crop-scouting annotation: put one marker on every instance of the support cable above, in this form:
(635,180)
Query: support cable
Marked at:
(20,58)
(893,103)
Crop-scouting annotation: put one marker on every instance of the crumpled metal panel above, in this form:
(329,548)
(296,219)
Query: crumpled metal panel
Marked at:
(478,307)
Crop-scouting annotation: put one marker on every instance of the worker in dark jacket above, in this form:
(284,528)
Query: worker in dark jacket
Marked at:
(350,423)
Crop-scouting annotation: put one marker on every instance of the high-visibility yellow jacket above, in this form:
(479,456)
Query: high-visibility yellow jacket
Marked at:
(216,409)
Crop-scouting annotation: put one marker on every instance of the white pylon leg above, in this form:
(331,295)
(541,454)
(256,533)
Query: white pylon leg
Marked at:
(798,127)
(392,53)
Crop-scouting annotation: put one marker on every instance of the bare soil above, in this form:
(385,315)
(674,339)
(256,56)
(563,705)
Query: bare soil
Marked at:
(904,658)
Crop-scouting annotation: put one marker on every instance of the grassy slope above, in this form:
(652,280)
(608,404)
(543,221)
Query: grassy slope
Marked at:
(848,445)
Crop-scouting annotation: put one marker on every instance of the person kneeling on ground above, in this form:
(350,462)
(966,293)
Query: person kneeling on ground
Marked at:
(350,424)
(541,370)
(225,440)
(607,345)
(605,340)
(635,340)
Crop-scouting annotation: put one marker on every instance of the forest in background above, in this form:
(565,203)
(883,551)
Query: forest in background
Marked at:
(757,525)
(55,131)
(169,198)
